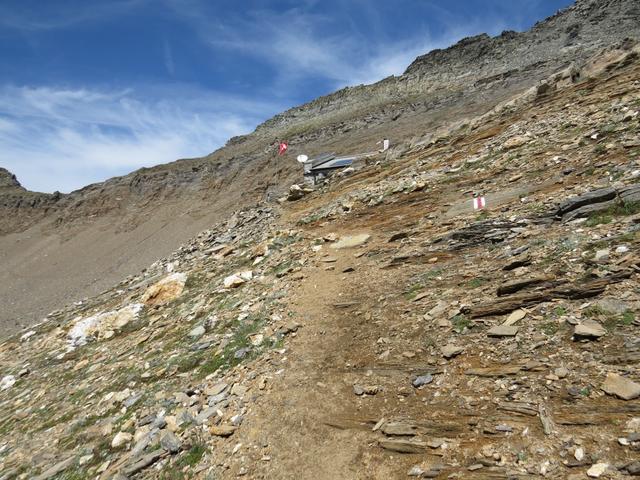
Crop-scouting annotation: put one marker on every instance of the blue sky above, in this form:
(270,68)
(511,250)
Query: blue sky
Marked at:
(91,89)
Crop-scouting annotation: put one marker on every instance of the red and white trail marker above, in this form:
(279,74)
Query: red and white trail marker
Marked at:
(479,203)
(282,148)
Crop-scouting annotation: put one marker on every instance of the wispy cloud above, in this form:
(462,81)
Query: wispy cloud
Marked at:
(299,43)
(64,139)
(28,15)
(168,59)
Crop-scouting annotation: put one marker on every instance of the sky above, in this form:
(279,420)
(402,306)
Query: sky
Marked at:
(91,89)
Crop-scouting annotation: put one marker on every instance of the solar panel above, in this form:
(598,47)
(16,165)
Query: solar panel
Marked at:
(335,163)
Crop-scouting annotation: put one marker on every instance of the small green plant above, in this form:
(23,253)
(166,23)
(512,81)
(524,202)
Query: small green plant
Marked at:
(628,317)
(477,282)
(559,311)
(431,274)
(461,323)
(621,209)
(482,216)
(600,149)
(594,312)
(193,456)
(413,291)
(549,328)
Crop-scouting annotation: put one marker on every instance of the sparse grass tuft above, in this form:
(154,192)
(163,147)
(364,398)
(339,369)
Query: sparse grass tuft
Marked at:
(610,320)
(413,291)
(477,282)
(461,323)
(193,456)
(550,328)
(622,209)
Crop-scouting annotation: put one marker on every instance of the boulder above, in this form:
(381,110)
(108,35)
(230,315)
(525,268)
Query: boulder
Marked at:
(167,289)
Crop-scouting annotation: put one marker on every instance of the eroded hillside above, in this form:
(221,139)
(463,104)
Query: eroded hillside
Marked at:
(379,327)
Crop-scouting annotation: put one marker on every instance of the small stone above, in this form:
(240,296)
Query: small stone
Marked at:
(121,439)
(197,332)
(170,443)
(241,353)
(7,382)
(601,256)
(579,454)
(222,430)
(503,331)
(474,467)
(351,241)
(621,387)
(450,351)
(597,470)
(237,279)
(365,390)
(561,372)
(633,468)
(422,380)
(215,390)
(415,471)
(239,390)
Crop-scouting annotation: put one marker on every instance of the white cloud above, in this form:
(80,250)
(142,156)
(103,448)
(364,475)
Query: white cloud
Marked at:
(301,45)
(64,139)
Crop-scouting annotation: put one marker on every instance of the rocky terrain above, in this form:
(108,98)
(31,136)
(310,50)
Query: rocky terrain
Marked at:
(377,326)
(124,224)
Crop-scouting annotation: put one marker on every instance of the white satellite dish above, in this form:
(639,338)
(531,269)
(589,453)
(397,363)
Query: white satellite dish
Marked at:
(302,158)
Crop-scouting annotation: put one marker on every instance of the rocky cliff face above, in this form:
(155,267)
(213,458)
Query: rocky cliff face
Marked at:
(159,207)
(8,181)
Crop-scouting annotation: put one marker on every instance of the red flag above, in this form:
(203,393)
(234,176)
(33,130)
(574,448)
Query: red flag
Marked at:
(282,148)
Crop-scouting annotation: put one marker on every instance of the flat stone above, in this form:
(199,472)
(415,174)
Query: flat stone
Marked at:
(222,430)
(403,446)
(399,429)
(515,317)
(621,387)
(503,331)
(143,462)
(589,329)
(351,241)
(597,470)
(450,351)
(56,469)
(601,256)
(204,415)
(422,380)
(216,389)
